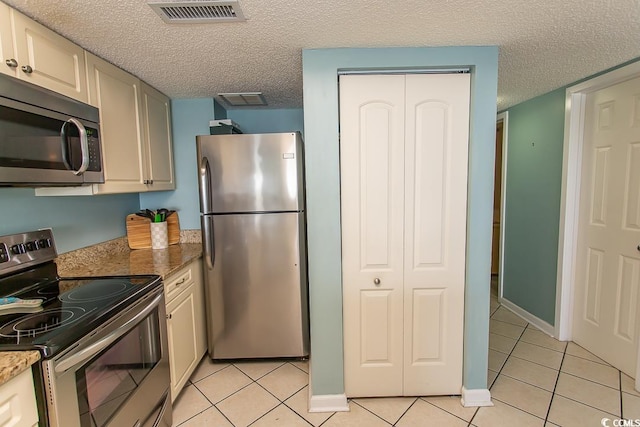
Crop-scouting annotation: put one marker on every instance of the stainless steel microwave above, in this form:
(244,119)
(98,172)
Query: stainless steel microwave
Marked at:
(46,139)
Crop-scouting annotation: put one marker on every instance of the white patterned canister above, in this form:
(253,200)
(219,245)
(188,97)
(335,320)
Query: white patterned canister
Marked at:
(159,235)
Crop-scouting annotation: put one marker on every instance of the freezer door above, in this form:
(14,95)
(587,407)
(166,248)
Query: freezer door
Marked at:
(256,286)
(251,173)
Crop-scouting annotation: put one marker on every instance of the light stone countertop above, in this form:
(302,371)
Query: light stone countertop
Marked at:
(111,258)
(13,363)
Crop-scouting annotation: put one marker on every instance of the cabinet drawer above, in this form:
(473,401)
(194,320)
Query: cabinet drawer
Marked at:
(178,282)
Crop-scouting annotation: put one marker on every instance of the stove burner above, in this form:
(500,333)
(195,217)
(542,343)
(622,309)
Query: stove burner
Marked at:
(96,291)
(44,321)
(51,289)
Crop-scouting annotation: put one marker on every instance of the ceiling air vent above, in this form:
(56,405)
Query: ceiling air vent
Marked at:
(198,12)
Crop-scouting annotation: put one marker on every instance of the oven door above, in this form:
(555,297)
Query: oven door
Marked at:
(118,376)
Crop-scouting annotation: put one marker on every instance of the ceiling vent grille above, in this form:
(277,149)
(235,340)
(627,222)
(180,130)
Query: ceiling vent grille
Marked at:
(198,12)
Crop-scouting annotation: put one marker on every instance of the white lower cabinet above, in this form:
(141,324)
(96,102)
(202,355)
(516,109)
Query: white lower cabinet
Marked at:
(185,323)
(18,402)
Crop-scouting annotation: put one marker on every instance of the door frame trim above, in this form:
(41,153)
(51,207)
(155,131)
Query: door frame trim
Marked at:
(504,117)
(570,195)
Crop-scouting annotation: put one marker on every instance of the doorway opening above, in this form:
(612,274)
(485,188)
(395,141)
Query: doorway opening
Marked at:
(499,193)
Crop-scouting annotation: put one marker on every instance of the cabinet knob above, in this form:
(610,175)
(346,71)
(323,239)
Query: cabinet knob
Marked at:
(27,69)
(376,281)
(11,63)
(168,316)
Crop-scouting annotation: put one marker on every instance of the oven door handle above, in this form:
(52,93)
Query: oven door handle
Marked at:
(95,348)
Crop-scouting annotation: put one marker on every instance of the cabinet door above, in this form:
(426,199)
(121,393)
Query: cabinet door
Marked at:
(156,109)
(6,41)
(18,402)
(181,335)
(118,96)
(201,325)
(55,62)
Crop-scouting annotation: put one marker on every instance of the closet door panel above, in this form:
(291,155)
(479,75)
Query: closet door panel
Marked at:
(436,151)
(372,186)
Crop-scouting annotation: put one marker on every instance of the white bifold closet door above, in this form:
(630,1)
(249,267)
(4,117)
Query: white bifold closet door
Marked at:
(403,160)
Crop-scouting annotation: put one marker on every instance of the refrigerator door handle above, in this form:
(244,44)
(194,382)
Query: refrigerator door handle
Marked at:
(204,174)
(209,241)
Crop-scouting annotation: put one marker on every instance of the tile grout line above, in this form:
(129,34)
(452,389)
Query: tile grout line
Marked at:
(621,396)
(442,409)
(555,386)
(259,385)
(501,368)
(373,413)
(591,381)
(282,402)
(407,410)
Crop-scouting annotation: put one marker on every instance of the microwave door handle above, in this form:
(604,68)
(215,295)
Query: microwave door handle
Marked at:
(84,146)
(95,348)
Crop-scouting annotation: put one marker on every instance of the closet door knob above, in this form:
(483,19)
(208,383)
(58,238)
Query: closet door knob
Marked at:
(376,281)
(11,63)
(27,69)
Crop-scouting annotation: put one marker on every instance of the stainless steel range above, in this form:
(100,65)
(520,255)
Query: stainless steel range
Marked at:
(103,340)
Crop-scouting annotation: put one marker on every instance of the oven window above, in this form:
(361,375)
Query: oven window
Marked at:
(111,377)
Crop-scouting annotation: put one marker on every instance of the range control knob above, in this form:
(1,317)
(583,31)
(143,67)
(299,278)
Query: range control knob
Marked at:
(44,243)
(4,254)
(18,249)
(32,246)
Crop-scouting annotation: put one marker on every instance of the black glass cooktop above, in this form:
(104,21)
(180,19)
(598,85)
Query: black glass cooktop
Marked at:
(71,308)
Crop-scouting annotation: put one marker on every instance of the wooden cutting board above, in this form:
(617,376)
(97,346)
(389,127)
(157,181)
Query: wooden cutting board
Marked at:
(139,231)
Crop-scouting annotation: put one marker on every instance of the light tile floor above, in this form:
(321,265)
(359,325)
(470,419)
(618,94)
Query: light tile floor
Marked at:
(535,380)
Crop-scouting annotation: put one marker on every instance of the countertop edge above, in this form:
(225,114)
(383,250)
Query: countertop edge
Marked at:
(13,363)
(163,262)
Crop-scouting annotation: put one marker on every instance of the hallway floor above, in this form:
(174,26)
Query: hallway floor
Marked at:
(535,380)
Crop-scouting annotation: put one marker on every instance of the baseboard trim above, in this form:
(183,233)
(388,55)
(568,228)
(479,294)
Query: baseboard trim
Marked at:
(328,403)
(476,397)
(535,321)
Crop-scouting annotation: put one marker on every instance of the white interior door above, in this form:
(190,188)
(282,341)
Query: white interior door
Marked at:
(436,150)
(404,144)
(372,198)
(605,317)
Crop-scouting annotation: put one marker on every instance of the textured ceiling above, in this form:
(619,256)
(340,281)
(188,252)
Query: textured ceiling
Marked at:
(544,44)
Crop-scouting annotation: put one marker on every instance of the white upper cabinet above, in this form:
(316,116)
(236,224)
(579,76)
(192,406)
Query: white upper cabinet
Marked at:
(119,97)
(156,117)
(41,56)
(9,64)
(135,120)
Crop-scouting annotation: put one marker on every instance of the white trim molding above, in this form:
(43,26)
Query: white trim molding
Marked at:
(525,315)
(476,397)
(504,117)
(328,403)
(570,196)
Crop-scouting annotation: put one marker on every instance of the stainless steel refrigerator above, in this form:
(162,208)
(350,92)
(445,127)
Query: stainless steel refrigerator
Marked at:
(254,240)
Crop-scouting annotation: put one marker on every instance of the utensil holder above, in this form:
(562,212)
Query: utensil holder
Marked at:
(159,235)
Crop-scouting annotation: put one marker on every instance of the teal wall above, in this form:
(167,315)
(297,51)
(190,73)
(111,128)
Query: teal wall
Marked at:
(320,77)
(532,210)
(268,120)
(76,221)
(190,117)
